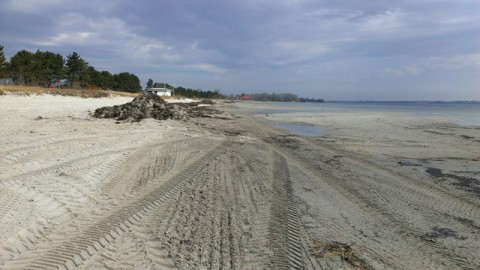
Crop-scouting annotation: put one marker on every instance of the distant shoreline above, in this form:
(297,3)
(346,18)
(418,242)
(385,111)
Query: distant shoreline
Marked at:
(406,102)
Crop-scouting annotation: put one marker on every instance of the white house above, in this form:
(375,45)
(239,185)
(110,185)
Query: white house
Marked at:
(160,91)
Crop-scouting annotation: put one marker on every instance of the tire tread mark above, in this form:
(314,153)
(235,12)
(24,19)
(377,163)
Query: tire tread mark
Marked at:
(92,238)
(284,227)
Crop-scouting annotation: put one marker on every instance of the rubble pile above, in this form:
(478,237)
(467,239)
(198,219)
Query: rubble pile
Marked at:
(148,105)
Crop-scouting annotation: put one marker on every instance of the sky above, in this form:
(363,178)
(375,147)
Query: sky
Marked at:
(331,49)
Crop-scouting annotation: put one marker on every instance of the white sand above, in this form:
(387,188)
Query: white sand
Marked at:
(83,193)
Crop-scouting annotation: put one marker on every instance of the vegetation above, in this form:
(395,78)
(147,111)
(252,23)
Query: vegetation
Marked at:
(76,70)
(126,81)
(286,97)
(48,69)
(149,83)
(319,100)
(21,67)
(3,63)
(195,93)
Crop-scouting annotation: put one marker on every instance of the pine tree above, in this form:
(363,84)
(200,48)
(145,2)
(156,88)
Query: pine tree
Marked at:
(22,67)
(76,69)
(3,65)
(149,84)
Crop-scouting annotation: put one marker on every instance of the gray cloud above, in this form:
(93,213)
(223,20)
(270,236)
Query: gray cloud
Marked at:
(329,49)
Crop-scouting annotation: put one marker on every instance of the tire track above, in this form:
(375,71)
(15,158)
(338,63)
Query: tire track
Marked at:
(389,192)
(197,228)
(255,192)
(221,220)
(138,248)
(284,227)
(376,192)
(59,148)
(93,147)
(429,191)
(64,250)
(371,195)
(153,161)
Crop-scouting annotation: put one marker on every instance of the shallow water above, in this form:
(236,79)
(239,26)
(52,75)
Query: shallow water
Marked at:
(302,129)
(461,114)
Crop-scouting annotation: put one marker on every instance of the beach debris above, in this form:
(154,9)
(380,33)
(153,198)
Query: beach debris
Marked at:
(148,105)
(344,251)
(438,232)
(206,102)
(408,163)
(435,172)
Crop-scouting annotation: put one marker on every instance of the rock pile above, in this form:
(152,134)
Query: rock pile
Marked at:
(148,105)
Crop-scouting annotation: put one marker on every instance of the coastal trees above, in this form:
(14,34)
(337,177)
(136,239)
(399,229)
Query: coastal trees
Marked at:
(76,69)
(79,73)
(274,97)
(48,68)
(127,82)
(149,83)
(44,68)
(3,64)
(196,93)
(104,80)
(22,68)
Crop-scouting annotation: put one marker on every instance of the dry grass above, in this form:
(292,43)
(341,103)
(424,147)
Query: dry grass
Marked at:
(344,251)
(87,93)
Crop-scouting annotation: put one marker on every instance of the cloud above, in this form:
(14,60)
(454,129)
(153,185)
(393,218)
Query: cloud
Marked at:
(453,62)
(256,43)
(283,52)
(402,71)
(434,64)
(206,67)
(55,7)
(384,22)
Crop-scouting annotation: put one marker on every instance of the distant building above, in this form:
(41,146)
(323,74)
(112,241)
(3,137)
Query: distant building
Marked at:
(245,97)
(160,91)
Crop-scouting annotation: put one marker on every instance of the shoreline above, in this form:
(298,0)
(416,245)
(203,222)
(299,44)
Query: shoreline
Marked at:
(392,192)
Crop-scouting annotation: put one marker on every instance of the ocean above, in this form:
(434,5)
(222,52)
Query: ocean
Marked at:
(464,114)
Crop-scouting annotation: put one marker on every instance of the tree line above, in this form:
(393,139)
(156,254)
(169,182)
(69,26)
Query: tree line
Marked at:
(282,97)
(48,69)
(197,93)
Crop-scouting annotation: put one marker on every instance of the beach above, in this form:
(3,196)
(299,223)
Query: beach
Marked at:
(375,191)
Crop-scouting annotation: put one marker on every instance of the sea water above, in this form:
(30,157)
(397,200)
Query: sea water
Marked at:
(465,114)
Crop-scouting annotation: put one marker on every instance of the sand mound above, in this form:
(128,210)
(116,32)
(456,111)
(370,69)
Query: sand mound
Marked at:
(148,105)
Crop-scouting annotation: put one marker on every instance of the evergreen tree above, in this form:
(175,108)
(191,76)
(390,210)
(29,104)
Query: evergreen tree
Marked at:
(48,68)
(45,68)
(21,68)
(104,80)
(149,84)
(76,69)
(127,82)
(87,77)
(3,65)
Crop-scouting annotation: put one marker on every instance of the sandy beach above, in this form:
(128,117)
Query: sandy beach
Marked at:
(376,191)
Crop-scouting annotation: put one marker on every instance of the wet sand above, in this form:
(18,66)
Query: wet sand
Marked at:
(375,191)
